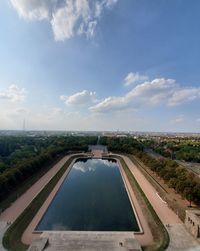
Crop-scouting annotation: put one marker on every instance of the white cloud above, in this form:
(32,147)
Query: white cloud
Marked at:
(91,29)
(79,98)
(134,78)
(57,111)
(13,93)
(152,93)
(178,119)
(110,104)
(34,9)
(18,113)
(184,95)
(98,9)
(110,3)
(67,17)
(21,111)
(156,92)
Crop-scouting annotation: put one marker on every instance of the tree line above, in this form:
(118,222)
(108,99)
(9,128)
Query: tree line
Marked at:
(187,150)
(22,157)
(184,182)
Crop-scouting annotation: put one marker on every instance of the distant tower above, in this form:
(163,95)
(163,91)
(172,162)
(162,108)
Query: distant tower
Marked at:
(24,126)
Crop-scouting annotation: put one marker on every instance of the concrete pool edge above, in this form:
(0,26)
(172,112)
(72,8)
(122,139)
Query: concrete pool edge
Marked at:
(145,238)
(30,234)
(133,202)
(139,229)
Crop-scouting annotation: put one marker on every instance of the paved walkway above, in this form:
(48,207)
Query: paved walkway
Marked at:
(3,228)
(180,239)
(39,244)
(146,237)
(91,241)
(164,212)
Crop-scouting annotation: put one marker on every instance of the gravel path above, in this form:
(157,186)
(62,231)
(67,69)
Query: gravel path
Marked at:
(3,228)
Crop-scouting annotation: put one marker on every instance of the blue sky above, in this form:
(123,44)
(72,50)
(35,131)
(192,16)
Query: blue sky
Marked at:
(100,65)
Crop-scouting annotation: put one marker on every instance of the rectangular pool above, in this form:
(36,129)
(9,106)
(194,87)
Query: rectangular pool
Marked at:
(92,198)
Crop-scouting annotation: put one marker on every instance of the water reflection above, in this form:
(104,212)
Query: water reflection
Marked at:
(90,165)
(59,227)
(92,198)
(84,168)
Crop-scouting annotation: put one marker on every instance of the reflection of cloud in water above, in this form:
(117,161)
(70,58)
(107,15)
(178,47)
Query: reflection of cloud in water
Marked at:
(109,163)
(81,166)
(91,164)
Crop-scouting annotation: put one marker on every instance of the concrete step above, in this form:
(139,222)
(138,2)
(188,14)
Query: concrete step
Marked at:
(91,241)
(38,244)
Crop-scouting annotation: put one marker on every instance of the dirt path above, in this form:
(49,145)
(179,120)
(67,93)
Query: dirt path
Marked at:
(16,208)
(171,192)
(166,215)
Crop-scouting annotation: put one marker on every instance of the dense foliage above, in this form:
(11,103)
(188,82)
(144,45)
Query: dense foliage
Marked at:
(21,157)
(184,182)
(180,149)
(121,144)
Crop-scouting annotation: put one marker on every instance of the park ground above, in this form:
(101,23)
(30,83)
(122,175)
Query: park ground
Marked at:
(180,239)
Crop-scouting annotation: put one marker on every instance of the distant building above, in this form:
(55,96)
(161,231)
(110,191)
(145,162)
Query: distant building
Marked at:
(192,222)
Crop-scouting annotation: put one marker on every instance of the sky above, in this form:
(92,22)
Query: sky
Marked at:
(130,65)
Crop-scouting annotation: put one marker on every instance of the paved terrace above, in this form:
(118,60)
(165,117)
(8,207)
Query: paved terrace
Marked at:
(3,228)
(91,241)
(97,150)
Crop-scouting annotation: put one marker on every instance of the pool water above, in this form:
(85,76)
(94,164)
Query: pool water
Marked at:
(92,198)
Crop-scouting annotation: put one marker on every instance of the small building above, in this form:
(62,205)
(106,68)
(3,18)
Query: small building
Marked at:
(192,222)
